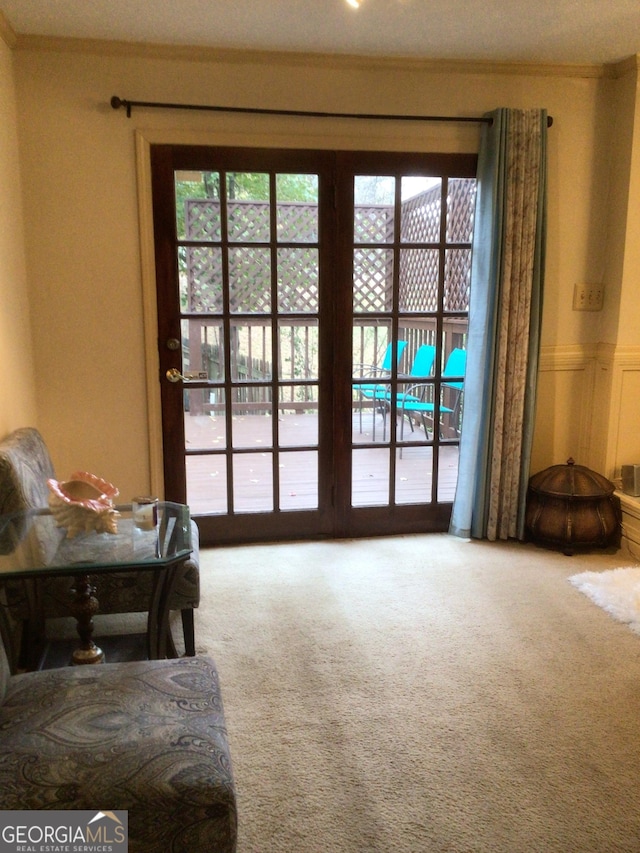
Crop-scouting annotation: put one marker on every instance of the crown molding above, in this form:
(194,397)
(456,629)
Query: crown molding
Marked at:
(7,34)
(626,66)
(194,53)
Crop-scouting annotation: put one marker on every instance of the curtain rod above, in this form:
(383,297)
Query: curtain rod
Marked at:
(117,102)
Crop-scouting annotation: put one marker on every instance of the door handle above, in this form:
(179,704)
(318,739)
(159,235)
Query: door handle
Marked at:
(174,375)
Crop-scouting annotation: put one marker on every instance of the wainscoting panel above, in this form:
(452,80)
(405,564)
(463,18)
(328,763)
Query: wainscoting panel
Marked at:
(589,409)
(566,388)
(624,412)
(630,509)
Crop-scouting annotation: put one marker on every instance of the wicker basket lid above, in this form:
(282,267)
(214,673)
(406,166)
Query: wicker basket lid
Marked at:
(571,481)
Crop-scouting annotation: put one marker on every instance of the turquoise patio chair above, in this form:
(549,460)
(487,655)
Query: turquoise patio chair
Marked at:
(421,367)
(376,391)
(414,400)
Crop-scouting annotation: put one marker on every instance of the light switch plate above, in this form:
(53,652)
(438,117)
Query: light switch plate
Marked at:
(588,297)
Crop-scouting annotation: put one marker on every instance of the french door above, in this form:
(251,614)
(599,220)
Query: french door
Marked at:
(311,308)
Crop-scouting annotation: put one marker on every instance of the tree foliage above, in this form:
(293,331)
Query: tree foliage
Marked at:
(242,186)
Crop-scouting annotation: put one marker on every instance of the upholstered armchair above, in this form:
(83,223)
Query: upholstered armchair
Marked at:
(25,466)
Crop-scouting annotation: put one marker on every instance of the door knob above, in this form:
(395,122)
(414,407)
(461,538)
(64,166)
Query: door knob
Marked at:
(174,375)
(173,344)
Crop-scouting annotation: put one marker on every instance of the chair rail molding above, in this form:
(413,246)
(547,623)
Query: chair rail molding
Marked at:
(567,357)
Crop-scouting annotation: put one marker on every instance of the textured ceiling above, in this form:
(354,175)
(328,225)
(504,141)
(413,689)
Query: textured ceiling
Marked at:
(546,31)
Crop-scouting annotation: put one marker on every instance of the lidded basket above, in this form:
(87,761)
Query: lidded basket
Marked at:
(571,506)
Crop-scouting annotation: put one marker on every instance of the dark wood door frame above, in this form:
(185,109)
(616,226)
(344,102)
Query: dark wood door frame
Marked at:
(335,516)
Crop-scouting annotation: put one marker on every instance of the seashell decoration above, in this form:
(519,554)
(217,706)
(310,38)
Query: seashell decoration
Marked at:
(84,503)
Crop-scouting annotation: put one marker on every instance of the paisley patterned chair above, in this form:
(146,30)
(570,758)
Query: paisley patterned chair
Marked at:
(25,466)
(148,737)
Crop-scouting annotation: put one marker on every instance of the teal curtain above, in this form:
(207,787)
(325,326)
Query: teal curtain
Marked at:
(505,309)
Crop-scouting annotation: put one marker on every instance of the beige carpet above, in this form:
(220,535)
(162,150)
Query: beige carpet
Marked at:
(423,693)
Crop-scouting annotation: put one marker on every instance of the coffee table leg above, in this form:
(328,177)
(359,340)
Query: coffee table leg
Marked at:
(84,606)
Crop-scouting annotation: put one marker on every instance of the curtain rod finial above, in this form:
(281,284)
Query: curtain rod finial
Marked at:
(117,102)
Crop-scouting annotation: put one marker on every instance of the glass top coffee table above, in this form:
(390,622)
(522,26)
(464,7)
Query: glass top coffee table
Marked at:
(32,546)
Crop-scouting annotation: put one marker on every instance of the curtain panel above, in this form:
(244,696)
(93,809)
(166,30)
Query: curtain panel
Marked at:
(504,327)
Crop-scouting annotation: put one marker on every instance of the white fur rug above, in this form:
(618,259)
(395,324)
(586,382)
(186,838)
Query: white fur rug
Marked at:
(617,591)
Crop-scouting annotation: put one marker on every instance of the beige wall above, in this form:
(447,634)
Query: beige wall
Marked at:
(88,260)
(17,384)
(623,439)
(589,400)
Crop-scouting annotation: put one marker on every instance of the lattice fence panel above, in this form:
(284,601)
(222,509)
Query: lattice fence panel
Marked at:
(250,279)
(461,201)
(373,224)
(248,222)
(372,279)
(298,279)
(457,280)
(201,289)
(202,220)
(297,222)
(419,269)
(420,217)
(297,274)
(419,279)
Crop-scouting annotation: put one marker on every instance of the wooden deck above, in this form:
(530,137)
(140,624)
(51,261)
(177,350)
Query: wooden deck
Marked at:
(298,468)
